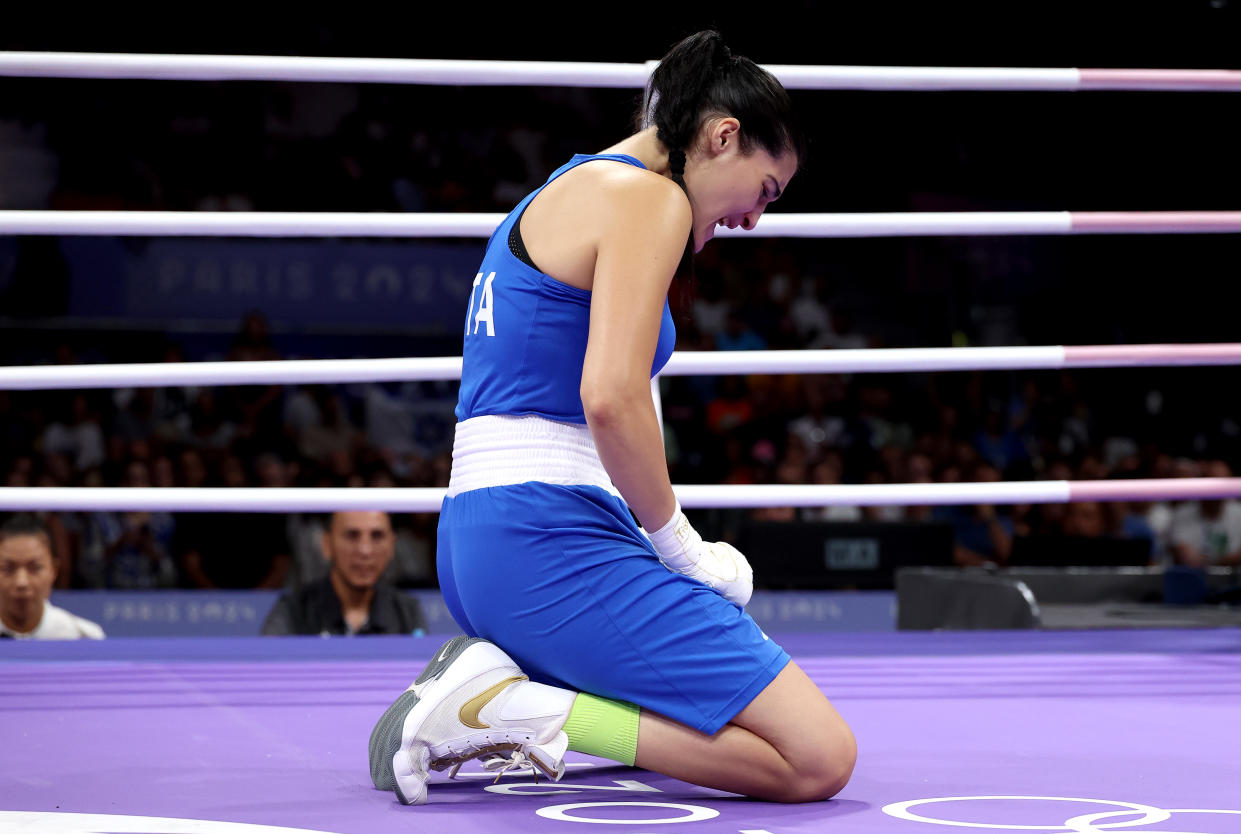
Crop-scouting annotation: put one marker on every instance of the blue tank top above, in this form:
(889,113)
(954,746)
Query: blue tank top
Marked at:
(525,332)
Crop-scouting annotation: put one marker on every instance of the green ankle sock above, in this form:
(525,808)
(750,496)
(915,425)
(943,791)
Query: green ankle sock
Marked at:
(603,728)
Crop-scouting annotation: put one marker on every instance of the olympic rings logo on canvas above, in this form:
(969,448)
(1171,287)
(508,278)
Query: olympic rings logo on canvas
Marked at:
(1131,815)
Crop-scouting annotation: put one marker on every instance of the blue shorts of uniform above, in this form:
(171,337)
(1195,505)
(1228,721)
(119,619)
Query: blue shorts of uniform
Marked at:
(563,580)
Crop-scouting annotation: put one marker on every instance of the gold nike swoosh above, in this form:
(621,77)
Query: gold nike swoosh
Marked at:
(470,709)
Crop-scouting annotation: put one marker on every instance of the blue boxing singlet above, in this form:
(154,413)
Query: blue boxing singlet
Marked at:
(525,331)
(536,549)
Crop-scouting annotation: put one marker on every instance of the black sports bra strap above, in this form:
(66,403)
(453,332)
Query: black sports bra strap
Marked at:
(518,247)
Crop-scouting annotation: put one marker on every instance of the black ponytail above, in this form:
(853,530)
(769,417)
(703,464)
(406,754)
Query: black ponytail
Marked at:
(700,78)
(679,87)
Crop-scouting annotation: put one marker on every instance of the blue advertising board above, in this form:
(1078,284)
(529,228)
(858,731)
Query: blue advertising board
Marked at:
(241,613)
(414,285)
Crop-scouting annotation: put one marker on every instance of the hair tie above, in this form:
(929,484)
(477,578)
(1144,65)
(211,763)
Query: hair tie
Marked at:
(676,162)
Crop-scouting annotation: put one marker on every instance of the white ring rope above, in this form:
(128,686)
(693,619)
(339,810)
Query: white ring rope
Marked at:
(253,224)
(428,499)
(690,363)
(248,223)
(589,74)
(481,225)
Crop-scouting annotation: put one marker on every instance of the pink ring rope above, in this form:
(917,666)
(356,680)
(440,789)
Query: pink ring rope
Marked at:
(1159,79)
(1154,222)
(1155,489)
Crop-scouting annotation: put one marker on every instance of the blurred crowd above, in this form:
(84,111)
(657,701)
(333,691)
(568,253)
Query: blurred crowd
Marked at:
(287,147)
(813,429)
(250,436)
(341,147)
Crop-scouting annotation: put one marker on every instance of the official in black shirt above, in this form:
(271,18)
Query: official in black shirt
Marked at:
(351,599)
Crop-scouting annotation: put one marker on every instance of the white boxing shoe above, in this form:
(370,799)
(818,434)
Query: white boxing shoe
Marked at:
(471,701)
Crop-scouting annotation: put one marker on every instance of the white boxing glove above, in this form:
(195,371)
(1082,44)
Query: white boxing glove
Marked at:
(717,565)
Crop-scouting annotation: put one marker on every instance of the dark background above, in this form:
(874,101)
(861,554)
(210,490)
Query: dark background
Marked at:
(139,144)
(181,146)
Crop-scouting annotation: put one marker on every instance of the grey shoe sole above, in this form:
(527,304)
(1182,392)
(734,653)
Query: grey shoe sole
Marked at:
(386,736)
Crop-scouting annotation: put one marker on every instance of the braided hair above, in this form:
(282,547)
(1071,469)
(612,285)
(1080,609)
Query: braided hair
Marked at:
(700,78)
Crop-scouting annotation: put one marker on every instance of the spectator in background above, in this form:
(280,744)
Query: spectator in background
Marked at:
(1077,424)
(710,310)
(272,472)
(919,469)
(811,319)
(163,475)
(208,428)
(233,472)
(351,599)
(841,334)
(315,418)
(131,550)
(875,476)
(134,420)
(80,438)
(1049,519)
(1085,519)
(1159,513)
(982,535)
(790,472)
(738,465)
(21,472)
(818,428)
(27,572)
(1207,532)
(732,408)
(62,532)
(768,309)
(876,422)
(829,471)
(996,442)
(172,405)
(389,417)
(192,470)
(939,441)
(257,407)
(1131,523)
(737,334)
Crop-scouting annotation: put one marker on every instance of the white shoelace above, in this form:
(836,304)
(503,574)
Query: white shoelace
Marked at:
(500,765)
(518,761)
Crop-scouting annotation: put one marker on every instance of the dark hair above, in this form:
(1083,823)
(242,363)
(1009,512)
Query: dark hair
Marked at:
(24,524)
(700,78)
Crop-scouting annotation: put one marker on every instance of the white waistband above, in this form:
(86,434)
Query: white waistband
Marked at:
(500,450)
